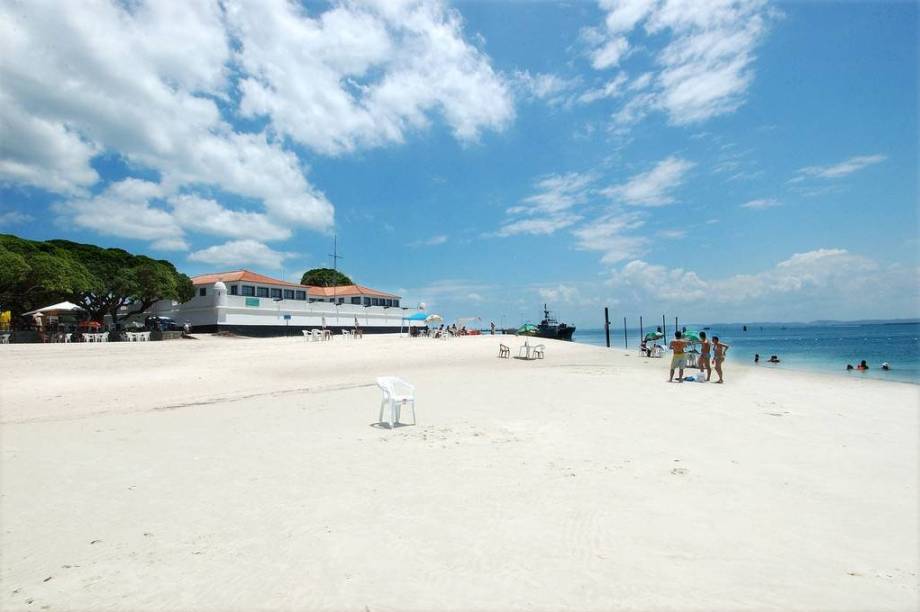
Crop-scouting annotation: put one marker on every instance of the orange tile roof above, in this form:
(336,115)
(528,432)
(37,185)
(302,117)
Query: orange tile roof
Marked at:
(251,277)
(342,290)
(240,275)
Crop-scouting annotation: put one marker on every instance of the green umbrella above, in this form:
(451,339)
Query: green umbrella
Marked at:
(654,335)
(526,329)
(691,335)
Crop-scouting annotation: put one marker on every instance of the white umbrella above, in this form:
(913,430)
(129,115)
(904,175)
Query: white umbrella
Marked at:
(433,318)
(61,307)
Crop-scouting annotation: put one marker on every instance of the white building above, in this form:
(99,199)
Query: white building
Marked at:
(251,304)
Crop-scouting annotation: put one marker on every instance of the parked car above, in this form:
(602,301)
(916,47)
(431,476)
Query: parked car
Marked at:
(161,323)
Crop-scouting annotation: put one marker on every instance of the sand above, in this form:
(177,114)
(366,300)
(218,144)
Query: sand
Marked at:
(243,474)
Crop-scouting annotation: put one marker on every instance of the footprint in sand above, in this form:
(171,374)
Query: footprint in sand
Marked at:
(680,471)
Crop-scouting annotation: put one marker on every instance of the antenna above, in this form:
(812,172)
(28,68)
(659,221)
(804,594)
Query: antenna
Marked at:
(335,266)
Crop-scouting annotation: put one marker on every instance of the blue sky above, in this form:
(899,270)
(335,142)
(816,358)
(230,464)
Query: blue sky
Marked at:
(721,161)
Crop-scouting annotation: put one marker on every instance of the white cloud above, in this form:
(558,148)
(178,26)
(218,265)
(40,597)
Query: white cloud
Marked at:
(125,209)
(14,217)
(550,208)
(368,72)
(654,187)
(433,241)
(610,235)
(704,69)
(209,217)
(673,234)
(551,88)
(843,168)
(239,253)
(156,83)
(761,204)
(823,283)
(611,89)
(559,293)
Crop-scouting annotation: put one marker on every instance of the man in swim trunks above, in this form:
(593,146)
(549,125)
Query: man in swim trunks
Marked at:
(679,359)
(719,348)
(703,361)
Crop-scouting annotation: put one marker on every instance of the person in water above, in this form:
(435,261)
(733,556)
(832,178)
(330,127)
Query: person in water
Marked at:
(885,366)
(703,361)
(678,344)
(862,365)
(756,357)
(773,359)
(719,348)
(849,367)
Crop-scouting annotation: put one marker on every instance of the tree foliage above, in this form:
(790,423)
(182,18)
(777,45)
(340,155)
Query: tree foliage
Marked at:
(324,277)
(101,280)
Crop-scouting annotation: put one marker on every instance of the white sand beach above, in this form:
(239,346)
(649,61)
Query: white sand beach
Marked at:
(244,474)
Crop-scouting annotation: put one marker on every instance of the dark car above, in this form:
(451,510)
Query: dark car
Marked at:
(161,323)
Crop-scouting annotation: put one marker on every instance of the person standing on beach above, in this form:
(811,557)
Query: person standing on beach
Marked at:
(678,359)
(492,327)
(719,357)
(703,361)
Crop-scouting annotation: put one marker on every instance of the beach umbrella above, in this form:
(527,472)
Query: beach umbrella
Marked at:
(691,335)
(527,328)
(417,316)
(654,335)
(433,318)
(55,308)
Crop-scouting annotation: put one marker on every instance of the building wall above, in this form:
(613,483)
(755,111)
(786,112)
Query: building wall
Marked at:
(214,310)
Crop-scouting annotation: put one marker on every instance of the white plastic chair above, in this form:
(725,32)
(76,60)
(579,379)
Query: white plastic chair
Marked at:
(5,339)
(396,394)
(104,337)
(316,335)
(345,334)
(145,336)
(67,338)
(306,335)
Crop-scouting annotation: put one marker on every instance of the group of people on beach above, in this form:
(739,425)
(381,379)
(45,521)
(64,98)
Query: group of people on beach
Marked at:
(714,350)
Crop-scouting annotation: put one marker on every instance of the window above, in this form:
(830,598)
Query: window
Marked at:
(367,301)
(262,291)
(249,290)
(289,294)
(341,300)
(234,290)
(396,303)
(300,295)
(276,293)
(374,301)
(356,300)
(202,292)
(389,303)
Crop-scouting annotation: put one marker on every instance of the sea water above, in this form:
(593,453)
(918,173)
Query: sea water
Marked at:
(821,348)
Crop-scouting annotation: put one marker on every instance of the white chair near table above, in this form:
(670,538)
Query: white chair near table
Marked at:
(5,338)
(396,394)
(346,335)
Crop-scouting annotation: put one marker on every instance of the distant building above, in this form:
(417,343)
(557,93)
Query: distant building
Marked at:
(248,303)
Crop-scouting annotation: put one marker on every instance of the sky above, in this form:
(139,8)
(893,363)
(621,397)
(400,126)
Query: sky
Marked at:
(723,161)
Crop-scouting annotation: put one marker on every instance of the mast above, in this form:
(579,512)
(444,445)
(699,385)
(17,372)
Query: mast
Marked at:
(335,267)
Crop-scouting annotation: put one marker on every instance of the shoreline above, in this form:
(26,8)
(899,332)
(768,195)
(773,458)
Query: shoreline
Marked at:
(248,473)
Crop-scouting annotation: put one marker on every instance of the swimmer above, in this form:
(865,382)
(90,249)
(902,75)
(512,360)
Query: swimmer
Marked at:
(862,365)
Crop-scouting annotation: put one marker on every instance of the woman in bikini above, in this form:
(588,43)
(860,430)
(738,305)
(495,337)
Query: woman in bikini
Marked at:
(719,357)
(703,361)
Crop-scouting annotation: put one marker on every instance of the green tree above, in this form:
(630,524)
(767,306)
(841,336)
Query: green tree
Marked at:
(324,277)
(120,279)
(34,274)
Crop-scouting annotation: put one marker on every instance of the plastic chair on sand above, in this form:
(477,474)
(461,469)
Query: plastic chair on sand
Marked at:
(345,334)
(504,351)
(396,394)
(537,351)
(316,335)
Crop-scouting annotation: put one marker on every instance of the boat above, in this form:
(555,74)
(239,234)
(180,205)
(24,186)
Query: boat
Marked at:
(548,328)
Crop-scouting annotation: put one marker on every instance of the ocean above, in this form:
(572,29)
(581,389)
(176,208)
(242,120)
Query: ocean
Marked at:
(826,348)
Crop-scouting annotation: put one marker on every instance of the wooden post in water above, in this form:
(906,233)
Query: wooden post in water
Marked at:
(607,325)
(676,328)
(641,335)
(625,338)
(664,327)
